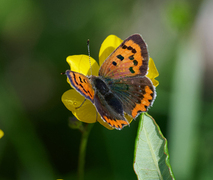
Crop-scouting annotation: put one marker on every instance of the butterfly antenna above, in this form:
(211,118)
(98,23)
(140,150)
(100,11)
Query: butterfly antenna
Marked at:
(89,56)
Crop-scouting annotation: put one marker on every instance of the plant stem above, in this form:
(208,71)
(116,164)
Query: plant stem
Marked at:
(82,150)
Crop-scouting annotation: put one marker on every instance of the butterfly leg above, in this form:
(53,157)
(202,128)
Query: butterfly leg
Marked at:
(81,104)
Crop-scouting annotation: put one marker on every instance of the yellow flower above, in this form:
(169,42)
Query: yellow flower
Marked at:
(1,133)
(80,63)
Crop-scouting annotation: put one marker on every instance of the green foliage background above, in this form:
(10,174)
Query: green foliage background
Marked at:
(35,39)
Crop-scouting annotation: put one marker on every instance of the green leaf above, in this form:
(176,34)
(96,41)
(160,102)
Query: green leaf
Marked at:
(151,159)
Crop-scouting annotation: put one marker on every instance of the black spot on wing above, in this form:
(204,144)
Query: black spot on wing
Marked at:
(144,52)
(90,94)
(120,57)
(124,46)
(131,70)
(75,79)
(131,57)
(83,88)
(114,63)
(80,79)
(131,49)
(135,62)
(134,51)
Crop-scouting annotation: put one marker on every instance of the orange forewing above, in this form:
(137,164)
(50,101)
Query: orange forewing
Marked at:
(129,59)
(81,83)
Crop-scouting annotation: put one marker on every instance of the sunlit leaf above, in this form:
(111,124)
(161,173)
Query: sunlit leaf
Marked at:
(151,159)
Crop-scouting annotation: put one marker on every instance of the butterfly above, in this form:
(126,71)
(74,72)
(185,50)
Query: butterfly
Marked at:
(121,86)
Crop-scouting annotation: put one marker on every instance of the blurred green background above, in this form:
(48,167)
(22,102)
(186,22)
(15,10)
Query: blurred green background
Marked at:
(35,39)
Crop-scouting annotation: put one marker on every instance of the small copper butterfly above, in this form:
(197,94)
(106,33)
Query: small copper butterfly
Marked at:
(121,86)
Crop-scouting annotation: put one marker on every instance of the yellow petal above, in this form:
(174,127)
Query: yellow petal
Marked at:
(1,133)
(108,46)
(86,113)
(152,72)
(81,64)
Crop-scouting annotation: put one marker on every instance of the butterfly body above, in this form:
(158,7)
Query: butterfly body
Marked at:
(121,87)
